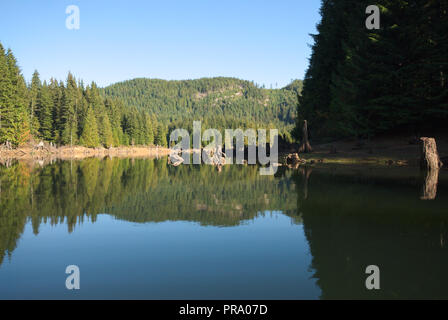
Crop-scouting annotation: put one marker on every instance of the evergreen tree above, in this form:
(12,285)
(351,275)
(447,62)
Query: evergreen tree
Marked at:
(45,106)
(17,121)
(362,82)
(149,132)
(33,105)
(5,96)
(89,136)
(105,131)
(69,115)
(160,138)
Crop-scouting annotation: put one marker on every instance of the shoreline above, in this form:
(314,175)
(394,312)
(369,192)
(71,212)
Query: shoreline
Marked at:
(80,152)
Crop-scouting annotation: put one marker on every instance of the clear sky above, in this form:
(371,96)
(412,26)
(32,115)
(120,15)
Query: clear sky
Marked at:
(264,41)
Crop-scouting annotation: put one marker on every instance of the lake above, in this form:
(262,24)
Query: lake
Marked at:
(141,229)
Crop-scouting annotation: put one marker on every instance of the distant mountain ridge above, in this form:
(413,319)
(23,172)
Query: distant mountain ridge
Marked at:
(219,102)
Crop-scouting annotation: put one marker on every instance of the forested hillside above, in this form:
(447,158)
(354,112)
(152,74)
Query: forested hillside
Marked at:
(67,113)
(362,82)
(219,102)
(135,112)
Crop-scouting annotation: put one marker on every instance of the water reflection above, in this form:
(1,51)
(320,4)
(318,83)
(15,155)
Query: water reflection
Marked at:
(354,219)
(134,190)
(351,218)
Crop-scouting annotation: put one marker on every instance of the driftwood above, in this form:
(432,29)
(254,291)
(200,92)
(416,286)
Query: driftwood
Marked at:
(305,146)
(429,156)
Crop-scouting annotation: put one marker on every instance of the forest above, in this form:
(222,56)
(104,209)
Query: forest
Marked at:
(220,103)
(68,113)
(359,83)
(134,112)
(362,83)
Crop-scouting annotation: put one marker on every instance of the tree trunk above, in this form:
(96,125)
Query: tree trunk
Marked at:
(305,145)
(429,156)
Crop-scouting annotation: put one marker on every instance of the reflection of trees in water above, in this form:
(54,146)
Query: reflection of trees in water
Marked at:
(134,190)
(352,222)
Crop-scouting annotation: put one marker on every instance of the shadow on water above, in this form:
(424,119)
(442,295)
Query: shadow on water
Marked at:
(352,217)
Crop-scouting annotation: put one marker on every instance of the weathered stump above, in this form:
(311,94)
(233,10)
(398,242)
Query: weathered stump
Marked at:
(430,161)
(429,155)
(430,185)
(305,144)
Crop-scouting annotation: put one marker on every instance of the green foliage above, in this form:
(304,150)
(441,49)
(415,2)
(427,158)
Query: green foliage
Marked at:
(89,136)
(44,107)
(14,122)
(160,138)
(135,112)
(219,103)
(362,82)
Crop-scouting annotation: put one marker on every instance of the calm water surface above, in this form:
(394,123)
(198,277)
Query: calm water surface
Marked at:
(141,229)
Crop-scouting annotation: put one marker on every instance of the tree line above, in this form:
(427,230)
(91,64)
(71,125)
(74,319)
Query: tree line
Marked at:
(134,112)
(68,113)
(220,103)
(364,82)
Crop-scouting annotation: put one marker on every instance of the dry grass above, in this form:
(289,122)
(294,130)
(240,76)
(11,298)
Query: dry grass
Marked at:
(29,152)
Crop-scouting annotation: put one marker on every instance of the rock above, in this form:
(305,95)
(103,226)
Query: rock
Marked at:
(294,160)
(175,159)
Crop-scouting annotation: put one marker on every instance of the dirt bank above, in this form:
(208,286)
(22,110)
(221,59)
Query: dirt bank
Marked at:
(401,150)
(30,152)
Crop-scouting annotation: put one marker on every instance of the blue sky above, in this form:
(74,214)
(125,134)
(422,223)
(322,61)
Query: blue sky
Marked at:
(264,41)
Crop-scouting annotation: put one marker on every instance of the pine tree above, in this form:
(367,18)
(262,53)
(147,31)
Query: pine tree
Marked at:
(89,136)
(160,138)
(69,115)
(149,132)
(5,96)
(16,120)
(105,131)
(33,105)
(45,106)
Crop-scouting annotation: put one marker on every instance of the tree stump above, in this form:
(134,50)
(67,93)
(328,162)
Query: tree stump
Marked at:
(430,185)
(429,156)
(305,145)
